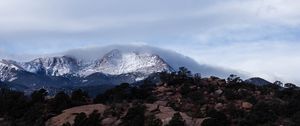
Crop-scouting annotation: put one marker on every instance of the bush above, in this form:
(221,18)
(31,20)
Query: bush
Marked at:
(153,121)
(176,120)
(135,116)
(296,118)
(197,97)
(218,116)
(79,97)
(39,96)
(80,119)
(211,122)
(60,102)
(94,119)
(262,113)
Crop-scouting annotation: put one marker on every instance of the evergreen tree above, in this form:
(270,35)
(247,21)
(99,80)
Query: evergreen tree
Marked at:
(184,72)
(218,117)
(234,79)
(176,120)
(211,122)
(60,102)
(67,124)
(79,97)
(153,121)
(39,96)
(80,119)
(279,83)
(94,119)
(135,116)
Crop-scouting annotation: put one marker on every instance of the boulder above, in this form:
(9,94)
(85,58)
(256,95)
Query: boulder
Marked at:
(222,81)
(161,103)
(219,92)
(247,105)
(162,89)
(152,107)
(165,114)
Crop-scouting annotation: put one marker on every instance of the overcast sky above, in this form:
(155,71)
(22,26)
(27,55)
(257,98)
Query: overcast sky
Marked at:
(257,36)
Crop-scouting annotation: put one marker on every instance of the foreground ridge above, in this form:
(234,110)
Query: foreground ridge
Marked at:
(179,98)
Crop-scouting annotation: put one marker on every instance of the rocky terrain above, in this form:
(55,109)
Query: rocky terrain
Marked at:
(199,102)
(178,99)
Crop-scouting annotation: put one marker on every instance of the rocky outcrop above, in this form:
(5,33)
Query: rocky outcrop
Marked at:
(247,105)
(70,114)
(165,114)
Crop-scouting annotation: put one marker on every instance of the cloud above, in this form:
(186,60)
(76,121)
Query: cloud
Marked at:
(139,17)
(271,60)
(256,36)
(99,21)
(174,59)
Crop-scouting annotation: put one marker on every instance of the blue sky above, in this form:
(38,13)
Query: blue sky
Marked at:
(257,36)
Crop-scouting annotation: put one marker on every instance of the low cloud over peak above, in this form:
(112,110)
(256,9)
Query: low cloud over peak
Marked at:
(174,59)
(255,36)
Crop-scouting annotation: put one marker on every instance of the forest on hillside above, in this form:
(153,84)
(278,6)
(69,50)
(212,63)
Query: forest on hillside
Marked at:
(190,99)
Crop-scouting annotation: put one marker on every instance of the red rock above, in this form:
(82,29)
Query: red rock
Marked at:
(247,105)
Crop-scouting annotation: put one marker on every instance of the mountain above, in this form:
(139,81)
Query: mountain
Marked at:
(52,66)
(172,58)
(8,70)
(257,81)
(117,65)
(54,73)
(114,62)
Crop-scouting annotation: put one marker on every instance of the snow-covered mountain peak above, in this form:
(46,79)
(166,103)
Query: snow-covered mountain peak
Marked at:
(6,64)
(113,53)
(111,57)
(8,70)
(107,65)
(53,66)
(117,62)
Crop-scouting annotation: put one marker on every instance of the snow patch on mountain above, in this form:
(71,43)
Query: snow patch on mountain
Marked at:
(117,62)
(52,66)
(172,58)
(8,70)
(137,61)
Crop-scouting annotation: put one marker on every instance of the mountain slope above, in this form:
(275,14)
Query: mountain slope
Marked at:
(54,73)
(115,66)
(116,62)
(258,81)
(8,70)
(52,66)
(173,59)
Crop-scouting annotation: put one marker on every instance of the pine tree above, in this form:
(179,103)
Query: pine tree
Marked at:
(153,121)
(80,119)
(176,120)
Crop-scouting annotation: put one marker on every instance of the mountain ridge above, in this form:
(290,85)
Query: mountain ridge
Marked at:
(65,71)
(114,67)
(67,65)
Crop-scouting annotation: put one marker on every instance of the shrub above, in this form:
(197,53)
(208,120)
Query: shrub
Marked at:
(176,120)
